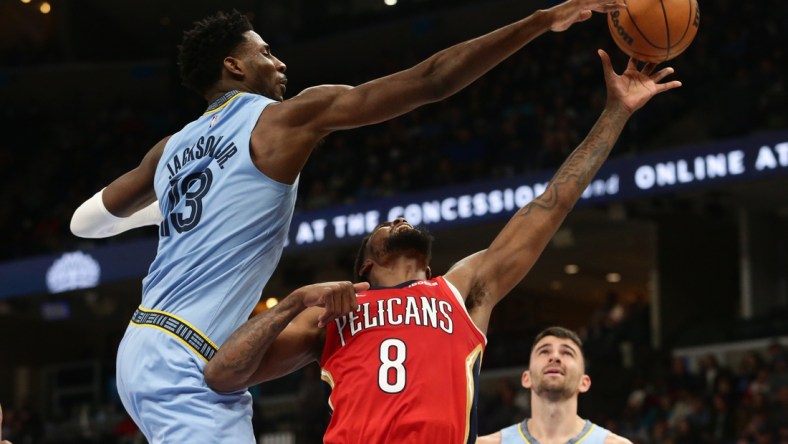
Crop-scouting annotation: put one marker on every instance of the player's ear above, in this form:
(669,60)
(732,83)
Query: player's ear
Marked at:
(233,66)
(525,379)
(428,271)
(585,384)
(365,268)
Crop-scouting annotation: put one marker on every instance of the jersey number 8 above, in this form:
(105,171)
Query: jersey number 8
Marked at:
(392,374)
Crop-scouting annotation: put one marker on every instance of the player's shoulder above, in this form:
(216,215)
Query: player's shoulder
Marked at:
(612,438)
(302,110)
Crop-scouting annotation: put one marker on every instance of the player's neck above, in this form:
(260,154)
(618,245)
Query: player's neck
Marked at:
(398,270)
(554,421)
(222,88)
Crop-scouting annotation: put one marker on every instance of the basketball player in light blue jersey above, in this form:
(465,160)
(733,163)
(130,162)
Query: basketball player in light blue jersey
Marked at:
(223,190)
(556,377)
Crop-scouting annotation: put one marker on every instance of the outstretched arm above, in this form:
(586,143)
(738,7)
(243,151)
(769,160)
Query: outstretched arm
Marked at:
(448,71)
(318,111)
(487,276)
(280,340)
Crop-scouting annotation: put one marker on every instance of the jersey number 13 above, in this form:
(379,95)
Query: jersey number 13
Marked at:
(191,190)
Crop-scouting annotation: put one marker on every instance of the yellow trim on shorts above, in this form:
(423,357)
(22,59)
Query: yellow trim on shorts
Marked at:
(173,334)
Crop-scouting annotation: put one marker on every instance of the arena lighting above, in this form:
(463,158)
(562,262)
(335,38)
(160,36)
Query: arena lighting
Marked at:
(45,8)
(613,278)
(571,269)
(73,271)
(390,2)
(708,165)
(271,302)
(26,1)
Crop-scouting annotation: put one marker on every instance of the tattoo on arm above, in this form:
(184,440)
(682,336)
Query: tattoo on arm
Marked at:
(575,174)
(244,350)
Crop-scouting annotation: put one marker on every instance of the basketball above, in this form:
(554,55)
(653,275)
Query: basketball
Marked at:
(654,30)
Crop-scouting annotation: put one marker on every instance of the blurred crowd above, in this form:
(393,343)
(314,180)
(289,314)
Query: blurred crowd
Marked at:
(526,115)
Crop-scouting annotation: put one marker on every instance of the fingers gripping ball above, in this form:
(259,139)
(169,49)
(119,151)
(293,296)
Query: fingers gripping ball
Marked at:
(654,30)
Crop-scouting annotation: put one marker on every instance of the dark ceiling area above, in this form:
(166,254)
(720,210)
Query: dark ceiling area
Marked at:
(92,30)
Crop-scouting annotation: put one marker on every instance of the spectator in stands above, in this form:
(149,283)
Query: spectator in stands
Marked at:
(556,377)
(709,371)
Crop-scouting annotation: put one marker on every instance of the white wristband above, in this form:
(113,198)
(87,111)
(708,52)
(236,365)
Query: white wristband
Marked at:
(93,220)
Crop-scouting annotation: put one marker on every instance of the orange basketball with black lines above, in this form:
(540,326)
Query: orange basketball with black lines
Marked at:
(654,30)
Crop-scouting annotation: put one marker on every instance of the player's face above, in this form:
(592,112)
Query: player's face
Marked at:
(398,237)
(556,370)
(265,74)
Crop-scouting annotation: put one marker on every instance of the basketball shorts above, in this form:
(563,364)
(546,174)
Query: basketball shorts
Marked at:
(160,382)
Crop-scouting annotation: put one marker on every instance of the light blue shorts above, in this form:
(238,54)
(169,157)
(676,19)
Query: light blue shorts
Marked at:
(161,384)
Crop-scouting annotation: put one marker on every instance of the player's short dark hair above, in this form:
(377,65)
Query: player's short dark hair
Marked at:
(561,333)
(205,46)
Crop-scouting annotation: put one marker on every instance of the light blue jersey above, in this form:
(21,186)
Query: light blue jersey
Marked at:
(224,228)
(519,434)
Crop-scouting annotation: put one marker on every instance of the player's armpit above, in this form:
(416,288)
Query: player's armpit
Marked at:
(461,273)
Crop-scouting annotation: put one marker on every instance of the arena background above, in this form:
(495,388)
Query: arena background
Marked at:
(680,288)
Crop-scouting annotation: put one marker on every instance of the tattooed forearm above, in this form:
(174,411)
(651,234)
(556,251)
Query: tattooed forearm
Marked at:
(243,351)
(515,250)
(575,174)
(254,337)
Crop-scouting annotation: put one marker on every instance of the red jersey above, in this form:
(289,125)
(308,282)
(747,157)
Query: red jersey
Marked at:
(404,367)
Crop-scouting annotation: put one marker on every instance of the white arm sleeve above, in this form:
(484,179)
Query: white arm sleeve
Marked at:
(93,220)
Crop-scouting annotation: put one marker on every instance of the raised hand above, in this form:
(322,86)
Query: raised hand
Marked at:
(572,11)
(338,298)
(634,88)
